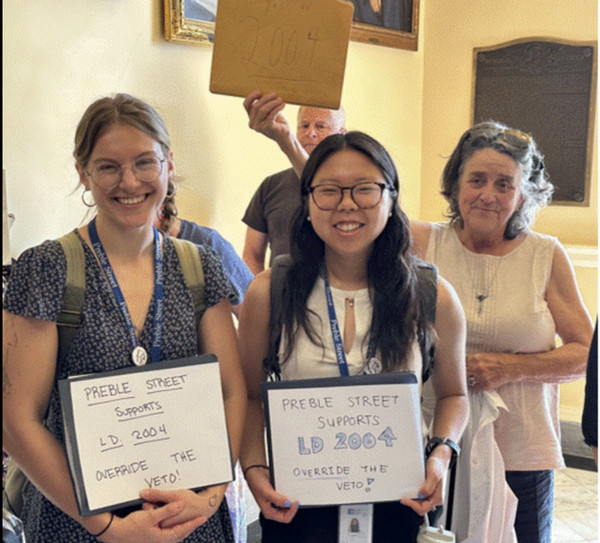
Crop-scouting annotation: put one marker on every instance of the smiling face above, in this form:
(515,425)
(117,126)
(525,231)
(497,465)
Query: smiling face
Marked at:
(130,203)
(349,230)
(489,192)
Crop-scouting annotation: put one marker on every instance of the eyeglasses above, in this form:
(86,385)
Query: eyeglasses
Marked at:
(364,195)
(515,138)
(108,174)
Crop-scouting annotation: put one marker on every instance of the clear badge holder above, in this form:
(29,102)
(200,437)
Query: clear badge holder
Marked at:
(356,523)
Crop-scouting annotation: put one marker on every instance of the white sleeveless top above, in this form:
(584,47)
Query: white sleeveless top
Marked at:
(515,318)
(310,361)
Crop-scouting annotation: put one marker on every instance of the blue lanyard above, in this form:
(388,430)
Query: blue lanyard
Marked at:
(158,290)
(335,330)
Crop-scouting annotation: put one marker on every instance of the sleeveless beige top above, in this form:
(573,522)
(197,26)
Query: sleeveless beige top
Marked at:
(310,361)
(513,317)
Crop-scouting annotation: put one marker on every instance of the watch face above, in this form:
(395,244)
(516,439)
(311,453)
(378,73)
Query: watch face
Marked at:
(435,441)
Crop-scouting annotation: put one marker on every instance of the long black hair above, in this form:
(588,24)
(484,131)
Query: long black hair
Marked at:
(391,268)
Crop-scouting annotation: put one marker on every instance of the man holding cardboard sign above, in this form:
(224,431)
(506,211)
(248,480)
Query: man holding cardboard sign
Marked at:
(270,212)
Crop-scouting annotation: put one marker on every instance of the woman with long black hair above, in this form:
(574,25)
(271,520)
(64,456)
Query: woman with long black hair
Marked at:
(351,244)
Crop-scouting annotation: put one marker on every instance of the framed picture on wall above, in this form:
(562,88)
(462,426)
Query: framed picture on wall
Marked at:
(392,23)
(190,21)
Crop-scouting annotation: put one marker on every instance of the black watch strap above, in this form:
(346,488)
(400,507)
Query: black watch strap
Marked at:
(437,441)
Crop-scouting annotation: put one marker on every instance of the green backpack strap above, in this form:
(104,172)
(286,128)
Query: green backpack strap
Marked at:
(69,317)
(191,266)
(67,320)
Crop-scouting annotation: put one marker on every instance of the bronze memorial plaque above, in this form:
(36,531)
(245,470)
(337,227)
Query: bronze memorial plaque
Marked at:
(545,88)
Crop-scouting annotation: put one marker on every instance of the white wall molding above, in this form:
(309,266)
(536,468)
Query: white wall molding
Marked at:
(583,256)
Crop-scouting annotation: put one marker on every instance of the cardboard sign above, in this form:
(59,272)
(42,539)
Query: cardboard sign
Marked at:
(296,48)
(156,426)
(345,440)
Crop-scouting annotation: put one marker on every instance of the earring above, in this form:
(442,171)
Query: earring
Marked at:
(171,188)
(84,202)
(308,218)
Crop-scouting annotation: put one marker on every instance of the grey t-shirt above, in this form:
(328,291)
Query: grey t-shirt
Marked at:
(273,207)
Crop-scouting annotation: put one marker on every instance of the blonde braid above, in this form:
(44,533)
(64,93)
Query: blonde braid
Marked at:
(169,210)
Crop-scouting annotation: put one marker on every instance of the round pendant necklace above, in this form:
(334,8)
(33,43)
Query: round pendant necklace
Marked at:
(139,355)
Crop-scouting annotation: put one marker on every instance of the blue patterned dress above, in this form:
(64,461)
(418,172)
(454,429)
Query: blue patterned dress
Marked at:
(36,288)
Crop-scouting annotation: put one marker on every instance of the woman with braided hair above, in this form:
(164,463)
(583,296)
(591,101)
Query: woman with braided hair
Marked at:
(144,314)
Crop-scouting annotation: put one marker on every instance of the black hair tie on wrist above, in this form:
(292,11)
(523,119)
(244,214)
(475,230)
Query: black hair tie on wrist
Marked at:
(244,471)
(112,516)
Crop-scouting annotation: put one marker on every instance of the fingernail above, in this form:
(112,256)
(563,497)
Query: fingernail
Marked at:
(420,496)
(288,504)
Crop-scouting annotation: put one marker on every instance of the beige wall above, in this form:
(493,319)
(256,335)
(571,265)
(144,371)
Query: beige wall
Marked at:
(60,55)
(585,261)
(452,29)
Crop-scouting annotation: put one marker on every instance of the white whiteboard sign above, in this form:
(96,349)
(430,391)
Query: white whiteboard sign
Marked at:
(345,440)
(157,426)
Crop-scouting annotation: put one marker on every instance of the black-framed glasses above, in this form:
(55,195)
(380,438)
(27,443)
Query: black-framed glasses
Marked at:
(365,195)
(107,174)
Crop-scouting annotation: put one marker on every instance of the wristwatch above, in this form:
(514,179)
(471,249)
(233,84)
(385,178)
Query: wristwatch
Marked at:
(436,441)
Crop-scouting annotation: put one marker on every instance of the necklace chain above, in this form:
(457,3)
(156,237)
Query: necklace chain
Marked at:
(485,294)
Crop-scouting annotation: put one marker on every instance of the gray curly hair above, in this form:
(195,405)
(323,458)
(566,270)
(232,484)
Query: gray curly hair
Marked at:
(536,188)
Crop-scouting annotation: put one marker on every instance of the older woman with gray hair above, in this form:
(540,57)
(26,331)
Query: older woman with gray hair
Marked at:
(518,290)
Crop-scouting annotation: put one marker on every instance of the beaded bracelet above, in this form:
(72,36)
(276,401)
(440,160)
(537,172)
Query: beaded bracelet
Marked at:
(244,471)
(112,516)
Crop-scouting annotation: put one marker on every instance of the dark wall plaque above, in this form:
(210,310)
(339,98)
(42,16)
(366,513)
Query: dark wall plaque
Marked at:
(547,89)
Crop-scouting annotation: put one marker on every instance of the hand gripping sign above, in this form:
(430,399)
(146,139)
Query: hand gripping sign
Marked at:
(345,440)
(130,429)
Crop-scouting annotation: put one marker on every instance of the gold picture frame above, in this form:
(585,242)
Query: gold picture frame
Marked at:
(182,29)
(200,29)
(389,37)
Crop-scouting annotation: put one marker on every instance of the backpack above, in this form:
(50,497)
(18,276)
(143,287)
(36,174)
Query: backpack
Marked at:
(69,319)
(427,276)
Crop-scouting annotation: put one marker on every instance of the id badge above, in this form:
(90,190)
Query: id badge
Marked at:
(356,523)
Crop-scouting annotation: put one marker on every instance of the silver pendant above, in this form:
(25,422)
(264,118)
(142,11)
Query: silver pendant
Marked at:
(373,367)
(480,299)
(139,356)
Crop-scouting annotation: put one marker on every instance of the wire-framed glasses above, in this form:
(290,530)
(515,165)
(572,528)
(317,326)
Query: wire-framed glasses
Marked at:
(365,195)
(107,174)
